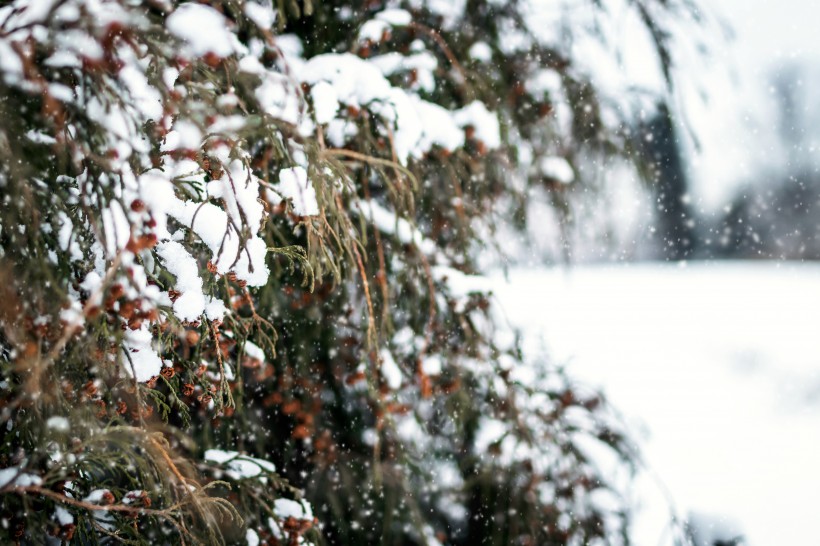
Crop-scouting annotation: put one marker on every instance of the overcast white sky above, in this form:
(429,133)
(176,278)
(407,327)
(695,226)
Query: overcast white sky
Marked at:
(768,30)
(736,123)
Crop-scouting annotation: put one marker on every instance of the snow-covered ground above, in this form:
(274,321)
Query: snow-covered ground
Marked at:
(716,364)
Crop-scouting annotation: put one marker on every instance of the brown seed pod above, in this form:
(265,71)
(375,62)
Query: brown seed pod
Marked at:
(191,337)
(135,323)
(31,349)
(101,409)
(305,418)
(90,388)
(128,309)
(109,304)
(187,389)
(355,378)
(322,441)
(167,372)
(67,531)
(116,291)
(291,406)
(212,59)
(300,432)
(272,399)
(149,240)
(398,409)
(451,387)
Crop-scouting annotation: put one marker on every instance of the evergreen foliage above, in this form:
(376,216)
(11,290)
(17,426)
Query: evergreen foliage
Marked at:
(238,264)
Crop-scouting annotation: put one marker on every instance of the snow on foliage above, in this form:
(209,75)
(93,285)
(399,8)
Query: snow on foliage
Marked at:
(295,186)
(202,29)
(229,230)
(238,466)
(558,169)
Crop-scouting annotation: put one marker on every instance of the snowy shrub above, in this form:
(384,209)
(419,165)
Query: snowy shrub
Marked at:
(240,301)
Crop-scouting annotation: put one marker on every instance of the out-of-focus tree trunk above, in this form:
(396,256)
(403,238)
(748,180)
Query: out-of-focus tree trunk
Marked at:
(675,218)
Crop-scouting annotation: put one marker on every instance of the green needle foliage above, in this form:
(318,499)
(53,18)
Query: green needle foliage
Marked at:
(238,266)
